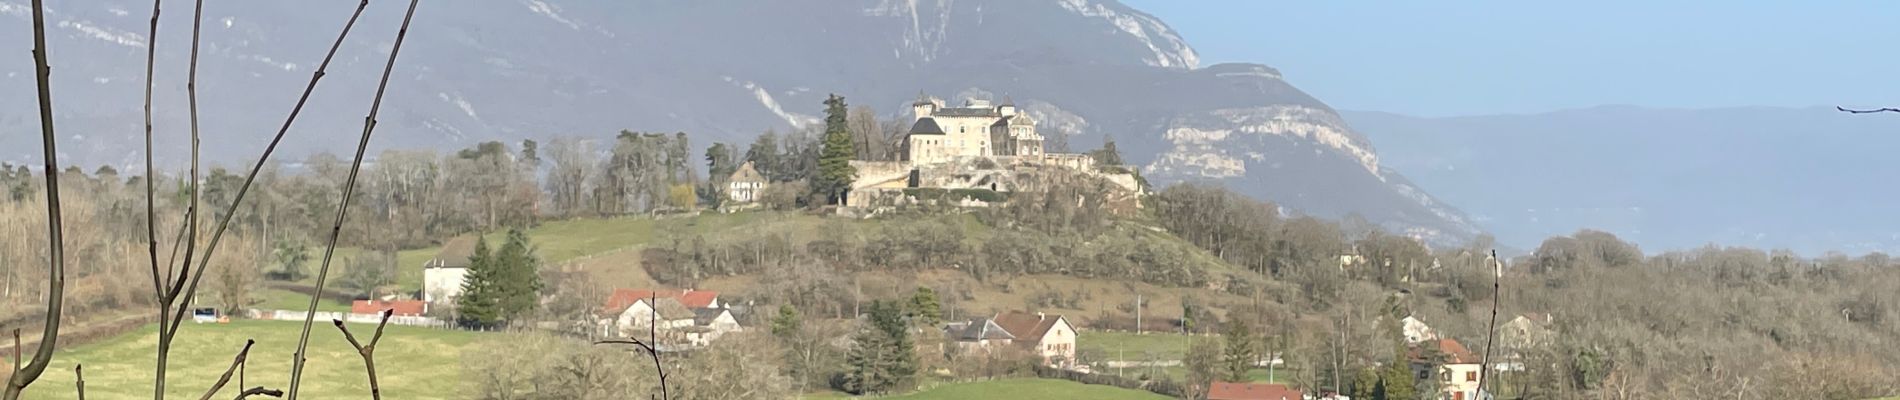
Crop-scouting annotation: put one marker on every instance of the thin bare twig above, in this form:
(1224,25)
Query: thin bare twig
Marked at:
(56,291)
(16,350)
(169,323)
(169,299)
(1867,111)
(368,352)
(1490,330)
(242,354)
(79,380)
(151,213)
(260,391)
(343,203)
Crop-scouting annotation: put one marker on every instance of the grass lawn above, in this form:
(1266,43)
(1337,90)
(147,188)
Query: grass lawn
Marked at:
(1040,389)
(1132,347)
(279,299)
(413,363)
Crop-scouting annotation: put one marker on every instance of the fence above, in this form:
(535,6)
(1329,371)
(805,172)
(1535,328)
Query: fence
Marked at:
(287,315)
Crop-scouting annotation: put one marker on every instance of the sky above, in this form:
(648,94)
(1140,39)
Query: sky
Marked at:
(1510,57)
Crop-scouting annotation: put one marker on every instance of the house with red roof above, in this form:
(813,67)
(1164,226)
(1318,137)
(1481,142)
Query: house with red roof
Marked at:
(689,316)
(1251,391)
(1449,363)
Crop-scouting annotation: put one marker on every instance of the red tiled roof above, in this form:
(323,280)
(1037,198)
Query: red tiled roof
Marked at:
(698,299)
(1251,391)
(401,307)
(1454,352)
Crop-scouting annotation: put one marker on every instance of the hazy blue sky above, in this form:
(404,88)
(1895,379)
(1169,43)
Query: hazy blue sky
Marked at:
(1484,57)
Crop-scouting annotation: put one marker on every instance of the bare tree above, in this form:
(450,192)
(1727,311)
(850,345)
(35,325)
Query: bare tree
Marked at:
(574,166)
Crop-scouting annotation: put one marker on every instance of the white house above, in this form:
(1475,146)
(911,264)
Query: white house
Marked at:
(1048,336)
(1416,331)
(709,324)
(1451,365)
(442,276)
(745,185)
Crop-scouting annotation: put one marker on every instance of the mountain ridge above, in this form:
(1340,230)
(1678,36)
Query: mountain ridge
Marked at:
(722,71)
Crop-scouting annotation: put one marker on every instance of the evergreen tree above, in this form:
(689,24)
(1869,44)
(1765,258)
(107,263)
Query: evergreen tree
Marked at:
(1397,377)
(479,304)
(883,357)
(787,322)
(834,161)
(924,308)
(1239,356)
(519,286)
(1365,384)
(764,156)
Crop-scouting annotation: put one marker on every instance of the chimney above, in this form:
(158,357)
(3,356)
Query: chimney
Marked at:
(1039,316)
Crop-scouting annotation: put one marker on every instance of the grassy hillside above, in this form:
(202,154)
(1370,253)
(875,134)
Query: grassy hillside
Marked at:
(413,363)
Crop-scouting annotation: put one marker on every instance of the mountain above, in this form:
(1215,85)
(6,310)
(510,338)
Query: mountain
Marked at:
(723,70)
(1807,179)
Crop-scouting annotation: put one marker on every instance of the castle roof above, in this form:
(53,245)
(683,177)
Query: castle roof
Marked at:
(986,112)
(1018,119)
(926,126)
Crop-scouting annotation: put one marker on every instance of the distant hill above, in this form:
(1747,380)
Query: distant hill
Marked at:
(1807,179)
(720,70)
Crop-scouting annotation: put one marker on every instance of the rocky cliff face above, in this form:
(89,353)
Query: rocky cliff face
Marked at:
(722,70)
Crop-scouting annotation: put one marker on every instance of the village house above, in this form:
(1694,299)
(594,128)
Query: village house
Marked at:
(689,317)
(979,334)
(1416,331)
(1219,390)
(1451,365)
(442,276)
(745,185)
(1050,337)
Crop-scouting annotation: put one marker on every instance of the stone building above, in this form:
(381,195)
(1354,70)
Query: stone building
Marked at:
(974,155)
(976,129)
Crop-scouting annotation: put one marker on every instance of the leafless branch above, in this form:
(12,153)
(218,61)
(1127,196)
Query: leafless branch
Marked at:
(56,278)
(16,350)
(79,380)
(168,299)
(368,352)
(1490,330)
(649,345)
(1867,111)
(151,214)
(242,354)
(349,188)
(260,391)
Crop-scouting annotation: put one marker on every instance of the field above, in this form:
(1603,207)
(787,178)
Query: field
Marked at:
(1157,346)
(413,363)
(1040,389)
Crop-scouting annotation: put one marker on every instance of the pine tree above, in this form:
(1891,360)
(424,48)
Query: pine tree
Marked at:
(787,322)
(1398,379)
(883,357)
(763,154)
(1239,356)
(835,173)
(924,308)
(479,306)
(519,286)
